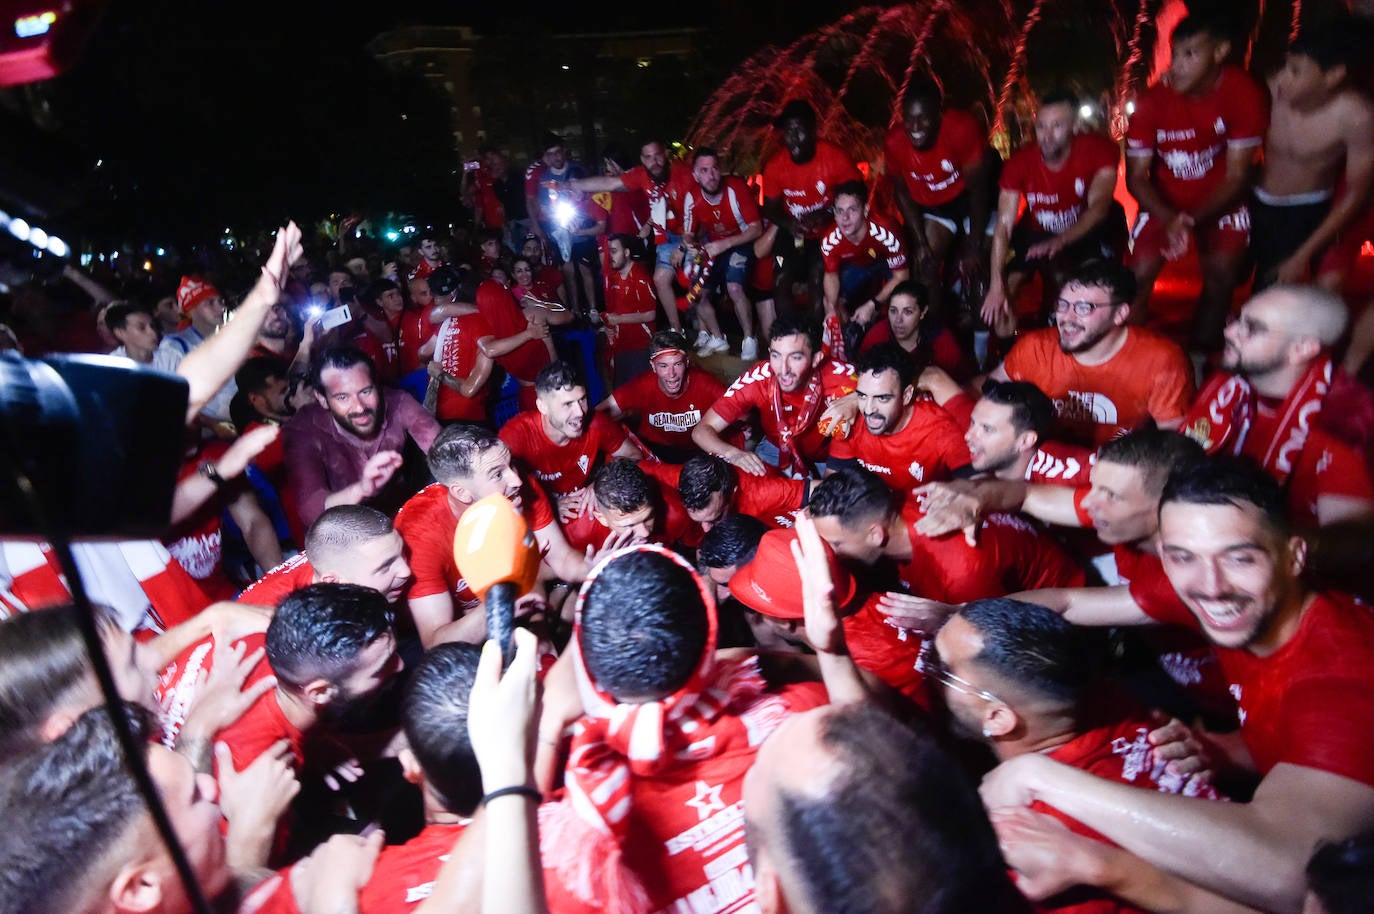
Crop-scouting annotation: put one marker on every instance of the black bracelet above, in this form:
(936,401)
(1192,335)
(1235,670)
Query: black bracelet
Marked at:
(523,790)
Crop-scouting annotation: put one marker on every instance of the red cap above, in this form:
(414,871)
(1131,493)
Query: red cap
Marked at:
(192,291)
(771,584)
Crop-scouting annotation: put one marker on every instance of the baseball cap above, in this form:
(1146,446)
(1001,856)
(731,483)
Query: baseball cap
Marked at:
(771,584)
(192,291)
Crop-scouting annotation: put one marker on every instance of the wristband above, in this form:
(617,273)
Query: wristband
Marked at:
(523,790)
(211,472)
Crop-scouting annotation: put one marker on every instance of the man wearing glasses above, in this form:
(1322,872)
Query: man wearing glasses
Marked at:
(1104,377)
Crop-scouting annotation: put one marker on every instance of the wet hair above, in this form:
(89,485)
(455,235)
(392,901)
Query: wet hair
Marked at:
(1034,648)
(732,540)
(702,152)
(341,528)
(558,375)
(1155,453)
(1341,874)
(1235,481)
(643,627)
(340,358)
(856,189)
(793,324)
(118,314)
(898,830)
(1031,409)
(434,713)
(854,495)
(924,89)
(454,454)
(1109,275)
(319,631)
(888,357)
(67,808)
(1060,95)
(622,486)
(702,476)
(913,288)
(43,661)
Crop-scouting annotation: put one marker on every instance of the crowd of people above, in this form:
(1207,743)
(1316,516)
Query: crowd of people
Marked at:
(908,609)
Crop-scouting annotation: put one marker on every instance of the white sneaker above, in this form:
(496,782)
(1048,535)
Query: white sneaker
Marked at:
(702,339)
(749,349)
(719,344)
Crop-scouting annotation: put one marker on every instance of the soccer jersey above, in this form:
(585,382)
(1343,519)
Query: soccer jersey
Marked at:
(287,578)
(1308,703)
(891,654)
(880,244)
(1324,466)
(665,423)
(671,524)
(1056,198)
(630,294)
(1188,136)
(567,467)
(936,175)
(1058,463)
(495,304)
(735,211)
(413,330)
(666,200)
(404,874)
(757,388)
(771,499)
(928,448)
(1148,378)
(808,187)
(457,352)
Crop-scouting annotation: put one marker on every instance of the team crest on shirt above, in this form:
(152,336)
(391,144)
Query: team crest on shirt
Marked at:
(820,187)
(917,471)
(583,461)
(1219,126)
(1078,186)
(947,165)
(706,801)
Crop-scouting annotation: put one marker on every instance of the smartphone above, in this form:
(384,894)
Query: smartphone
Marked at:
(335,317)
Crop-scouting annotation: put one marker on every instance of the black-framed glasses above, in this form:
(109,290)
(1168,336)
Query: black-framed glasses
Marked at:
(1080,307)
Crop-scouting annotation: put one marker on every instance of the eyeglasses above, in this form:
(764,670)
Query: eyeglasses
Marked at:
(1248,326)
(935,668)
(1081,308)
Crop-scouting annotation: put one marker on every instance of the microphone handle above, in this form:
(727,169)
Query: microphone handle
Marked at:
(500,610)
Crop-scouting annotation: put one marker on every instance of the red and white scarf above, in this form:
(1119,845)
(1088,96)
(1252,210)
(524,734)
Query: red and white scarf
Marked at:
(789,457)
(1223,414)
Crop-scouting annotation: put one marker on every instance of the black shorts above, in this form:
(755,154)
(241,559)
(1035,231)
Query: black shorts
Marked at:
(1278,229)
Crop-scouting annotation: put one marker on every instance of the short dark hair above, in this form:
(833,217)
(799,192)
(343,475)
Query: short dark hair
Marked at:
(1156,453)
(1212,25)
(1060,95)
(340,358)
(1034,648)
(915,289)
(626,241)
(118,314)
(702,476)
(377,288)
(1109,275)
(1341,874)
(888,357)
(43,660)
(319,631)
(899,830)
(342,527)
(702,152)
(732,540)
(456,450)
(549,140)
(622,485)
(1335,43)
(794,324)
(643,627)
(254,373)
(1236,481)
(857,189)
(925,89)
(66,807)
(799,109)
(434,713)
(1031,409)
(854,495)
(558,375)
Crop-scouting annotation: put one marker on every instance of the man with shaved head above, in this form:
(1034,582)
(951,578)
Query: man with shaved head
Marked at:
(1281,400)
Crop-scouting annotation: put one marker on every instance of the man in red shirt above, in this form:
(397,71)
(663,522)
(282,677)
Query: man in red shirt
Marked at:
(628,506)
(906,441)
(720,220)
(461,366)
(937,162)
(800,182)
(431,259)
(1299,665)
(1067,181)
(630,311)
(562,442)
(864,258)
(710,489)
(663,405)
(791,395)
(1008,438)
(1191,148)
(1104,376)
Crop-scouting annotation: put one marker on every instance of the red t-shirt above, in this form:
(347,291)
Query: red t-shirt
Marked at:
(660,420)
(1325,466)
(504,317)
(891,654)
(1310,702)
(754,390)
(771,498)
(936,175)
(413,330)
(672,524)
(457,353)
(1150,377)
(177,683)
(404,873)
(665,200)
(736,210)
(197,542)
(880,244)
(490,211)
(1055,199)
(1188,136)
(631,294)
(1058,463)
(927,449)
(562,468)
(287,578)
(427,524)
(808,187)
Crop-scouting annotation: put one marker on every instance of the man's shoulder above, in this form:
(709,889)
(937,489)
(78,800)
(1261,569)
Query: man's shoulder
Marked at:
(757,377)
(1143,342)
(831,239)
(519,427)
(1093,145)
(884,234)
(423,509)
(310,420)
